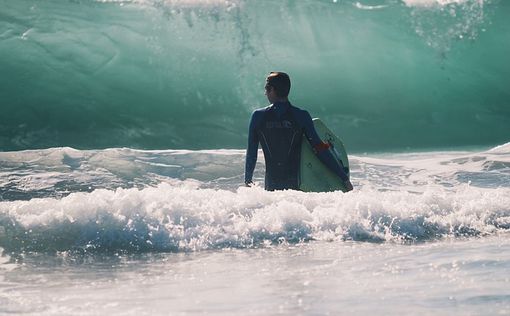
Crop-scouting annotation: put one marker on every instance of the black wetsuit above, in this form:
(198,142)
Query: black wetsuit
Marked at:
(279,129)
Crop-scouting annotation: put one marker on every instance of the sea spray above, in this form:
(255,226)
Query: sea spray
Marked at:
(182,217)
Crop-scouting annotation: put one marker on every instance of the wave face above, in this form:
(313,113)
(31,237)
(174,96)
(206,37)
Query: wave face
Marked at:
(128,201)
(156,74)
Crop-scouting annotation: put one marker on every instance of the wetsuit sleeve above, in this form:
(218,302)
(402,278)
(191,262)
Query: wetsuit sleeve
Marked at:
(324,155)
(253,146)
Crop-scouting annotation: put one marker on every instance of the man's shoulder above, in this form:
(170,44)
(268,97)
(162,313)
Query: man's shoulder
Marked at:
(301,113)
(264,108)
(260,111)
(257,116)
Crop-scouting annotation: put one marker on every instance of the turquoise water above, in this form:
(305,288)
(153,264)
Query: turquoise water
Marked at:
(122,139)
(385,75)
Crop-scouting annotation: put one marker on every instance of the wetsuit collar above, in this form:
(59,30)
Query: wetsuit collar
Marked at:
(280,107)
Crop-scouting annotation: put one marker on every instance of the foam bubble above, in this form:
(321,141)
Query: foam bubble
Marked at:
(190,3)
(184,217)
(427,3)
(369,7)
(502,149)
(443,22)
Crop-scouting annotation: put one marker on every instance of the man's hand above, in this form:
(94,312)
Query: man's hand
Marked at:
(248,183)
(348,185)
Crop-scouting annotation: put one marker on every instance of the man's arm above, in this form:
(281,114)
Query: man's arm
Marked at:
(322,152)
(251,152)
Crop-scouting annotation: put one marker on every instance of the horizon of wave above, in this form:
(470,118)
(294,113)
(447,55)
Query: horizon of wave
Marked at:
(57,172)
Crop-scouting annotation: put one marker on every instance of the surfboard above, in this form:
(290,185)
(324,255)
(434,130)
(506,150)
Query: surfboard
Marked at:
(316,176)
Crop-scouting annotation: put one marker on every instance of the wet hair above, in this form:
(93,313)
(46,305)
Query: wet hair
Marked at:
(280,81)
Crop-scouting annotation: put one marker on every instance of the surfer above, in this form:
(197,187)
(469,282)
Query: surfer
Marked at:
(279,129)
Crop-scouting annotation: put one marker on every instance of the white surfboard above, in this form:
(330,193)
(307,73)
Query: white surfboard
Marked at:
(314,175)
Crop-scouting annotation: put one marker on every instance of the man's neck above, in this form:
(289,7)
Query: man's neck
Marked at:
(281,101)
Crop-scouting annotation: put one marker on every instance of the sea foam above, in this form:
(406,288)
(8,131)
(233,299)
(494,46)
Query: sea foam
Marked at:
(181,216)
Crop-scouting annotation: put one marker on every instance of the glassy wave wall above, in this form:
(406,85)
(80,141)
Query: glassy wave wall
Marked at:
(153,74)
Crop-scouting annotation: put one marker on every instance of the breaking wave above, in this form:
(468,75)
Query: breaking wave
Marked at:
(184,217)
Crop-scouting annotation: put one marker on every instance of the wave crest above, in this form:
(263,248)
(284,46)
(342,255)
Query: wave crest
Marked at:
(183,217)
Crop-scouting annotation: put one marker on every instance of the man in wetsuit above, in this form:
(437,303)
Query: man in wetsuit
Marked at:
(279,129)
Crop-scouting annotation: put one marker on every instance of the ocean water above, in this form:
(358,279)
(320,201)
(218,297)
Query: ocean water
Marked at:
(130,232)
(122,133)
(160,74)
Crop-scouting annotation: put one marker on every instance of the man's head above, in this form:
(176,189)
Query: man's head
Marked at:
(277,86)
